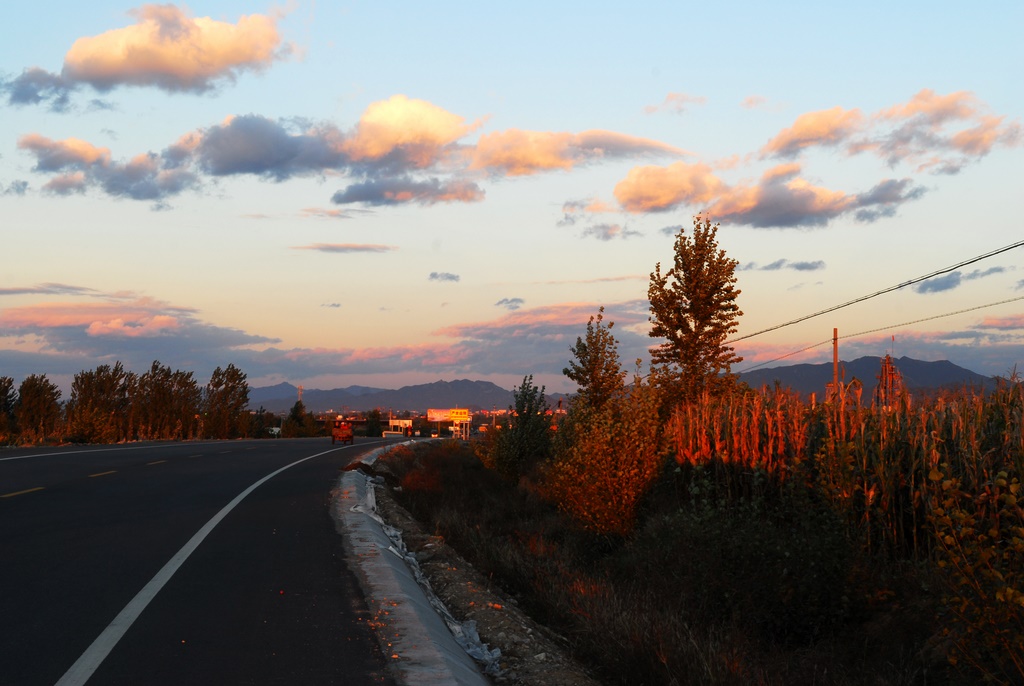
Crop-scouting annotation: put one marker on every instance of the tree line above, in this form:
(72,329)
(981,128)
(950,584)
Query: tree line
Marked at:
(109,404)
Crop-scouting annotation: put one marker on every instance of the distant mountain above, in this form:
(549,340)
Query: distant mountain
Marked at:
(917,376)
(281,397)
(475,395)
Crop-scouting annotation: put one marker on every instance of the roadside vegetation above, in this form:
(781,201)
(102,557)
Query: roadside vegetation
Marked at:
(111,405)
(680,528)
(778,543)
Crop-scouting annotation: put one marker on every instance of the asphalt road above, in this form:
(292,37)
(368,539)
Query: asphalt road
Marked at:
(179,563)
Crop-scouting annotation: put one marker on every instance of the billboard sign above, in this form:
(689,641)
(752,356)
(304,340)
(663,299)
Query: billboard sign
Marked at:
(448,415)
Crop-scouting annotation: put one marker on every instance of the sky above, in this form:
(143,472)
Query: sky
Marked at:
(394,193)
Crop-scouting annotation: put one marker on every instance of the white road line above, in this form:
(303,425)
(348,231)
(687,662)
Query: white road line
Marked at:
(96,450)
(84,667)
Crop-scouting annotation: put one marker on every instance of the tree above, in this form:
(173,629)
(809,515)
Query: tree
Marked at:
(525,438)
(38,408)
(596,369)
(8,401)
(98,409)
(186,405)
(693,307)
(374,423)
(299,423)
(151,402)
(226,400)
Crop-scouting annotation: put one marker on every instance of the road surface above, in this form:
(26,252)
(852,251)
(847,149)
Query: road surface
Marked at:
(179,563)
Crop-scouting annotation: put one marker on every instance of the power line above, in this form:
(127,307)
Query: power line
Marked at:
(883,291)
(883,328)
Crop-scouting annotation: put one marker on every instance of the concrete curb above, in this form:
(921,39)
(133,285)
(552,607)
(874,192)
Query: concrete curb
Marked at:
(422,648)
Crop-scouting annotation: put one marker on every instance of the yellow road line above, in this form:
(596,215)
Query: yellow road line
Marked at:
(157,462)
(27,490)
(112,471)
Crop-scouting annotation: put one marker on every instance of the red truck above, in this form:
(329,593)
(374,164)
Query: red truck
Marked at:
(342,431)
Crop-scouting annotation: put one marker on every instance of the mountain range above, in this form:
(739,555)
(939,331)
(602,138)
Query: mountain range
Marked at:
(475,395)
(917,376)
(805,379)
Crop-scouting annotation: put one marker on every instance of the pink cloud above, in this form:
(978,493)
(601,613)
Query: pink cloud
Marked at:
(781,198)
(653,189)
(517,152)
(65,184)
(143,327)
(1011,323)
(346,247)
(826,128)
(54,155)
(934,108)
(980,140)
(140,318)
(168,49)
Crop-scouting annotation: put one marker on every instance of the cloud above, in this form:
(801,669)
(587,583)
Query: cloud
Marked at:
(520,153)
(603,279)
(34,86)
(331,305)
(401,150)
(607,232)
(251,144)
(134,329)
(948,282)
(777,265)
(1011,323)
(885,198)
(824,128)
(169,50)
(443,276)
(781,199)
(573,210)
(325,213)
(653,189)
(753,102)
(676,102)
(939,283)
(510,303)
(80,165)
(981,274)
(165,48)
(937,133)
(405,131)
(346,247)
(15,188)
(399,191)
(48,289)
(71,153)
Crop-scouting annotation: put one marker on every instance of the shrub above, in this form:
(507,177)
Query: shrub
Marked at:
(776,567)
(980,549)
(606,459)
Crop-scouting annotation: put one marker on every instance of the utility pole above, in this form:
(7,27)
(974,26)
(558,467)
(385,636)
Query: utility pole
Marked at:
(835,360)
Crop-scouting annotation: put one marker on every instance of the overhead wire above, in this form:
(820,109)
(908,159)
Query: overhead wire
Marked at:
(911,282)
(883,328)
